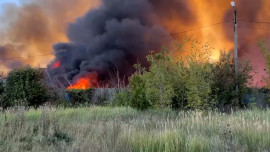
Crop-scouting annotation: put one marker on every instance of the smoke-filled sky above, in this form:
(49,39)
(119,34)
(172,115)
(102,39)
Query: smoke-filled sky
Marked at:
(99,36)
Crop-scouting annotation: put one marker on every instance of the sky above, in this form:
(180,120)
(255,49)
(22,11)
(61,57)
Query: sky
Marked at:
(8,1)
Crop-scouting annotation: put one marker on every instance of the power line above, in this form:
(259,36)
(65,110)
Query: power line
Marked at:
(161,37)
(251,21)
(202,27)
(266,29)
(182,32)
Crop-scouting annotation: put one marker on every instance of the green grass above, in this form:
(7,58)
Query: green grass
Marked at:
(110,129)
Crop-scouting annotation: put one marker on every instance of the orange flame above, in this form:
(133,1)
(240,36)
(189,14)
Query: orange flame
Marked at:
(85,82)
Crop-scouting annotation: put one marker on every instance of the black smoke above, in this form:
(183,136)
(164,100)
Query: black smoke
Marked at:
(112,38)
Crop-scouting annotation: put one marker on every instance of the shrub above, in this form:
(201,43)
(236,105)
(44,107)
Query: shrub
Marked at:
(195,67)
(182,82)
(25,86)
(122,98)
(224,86)
(189,80)
(80,96)
(138,92)
(198,86)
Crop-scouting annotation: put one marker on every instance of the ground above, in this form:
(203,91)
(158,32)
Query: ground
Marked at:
(109,129)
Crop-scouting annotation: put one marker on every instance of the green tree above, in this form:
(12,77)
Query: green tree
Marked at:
(184,76)
(223,75)
(178,83)
(25,86)
(198,86)
(159,86)
(194,74)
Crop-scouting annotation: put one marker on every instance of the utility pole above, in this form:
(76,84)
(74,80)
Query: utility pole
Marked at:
(235,47)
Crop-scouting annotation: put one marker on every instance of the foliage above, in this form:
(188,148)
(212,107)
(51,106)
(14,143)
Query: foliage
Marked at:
(25,86)
(122,98)
(198,86)
(138,92)
(80,96)
(196,74)
(184,76)
(182,82)
(224,86)
(159,84)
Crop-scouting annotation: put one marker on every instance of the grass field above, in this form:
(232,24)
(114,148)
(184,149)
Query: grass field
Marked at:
(106,129)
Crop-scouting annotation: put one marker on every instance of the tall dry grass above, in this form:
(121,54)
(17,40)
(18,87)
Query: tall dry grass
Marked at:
(109,129)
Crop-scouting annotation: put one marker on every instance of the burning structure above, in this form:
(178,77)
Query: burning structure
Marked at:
(113,35)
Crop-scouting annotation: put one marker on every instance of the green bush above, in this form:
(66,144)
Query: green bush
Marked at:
(159,79)
(176,83)
(25,86)
(80,96)
(198,86)
(190,80)
(195,67)
(138,93)
(224,86)
(122,98)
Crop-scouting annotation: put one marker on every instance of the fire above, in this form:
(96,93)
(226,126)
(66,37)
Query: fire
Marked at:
(56,64)
(216,36)
(85,82)
(205,13)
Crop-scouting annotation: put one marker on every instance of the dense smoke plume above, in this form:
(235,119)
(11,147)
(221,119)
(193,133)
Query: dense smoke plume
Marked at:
(111,39)
(115,34)
(31,28)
